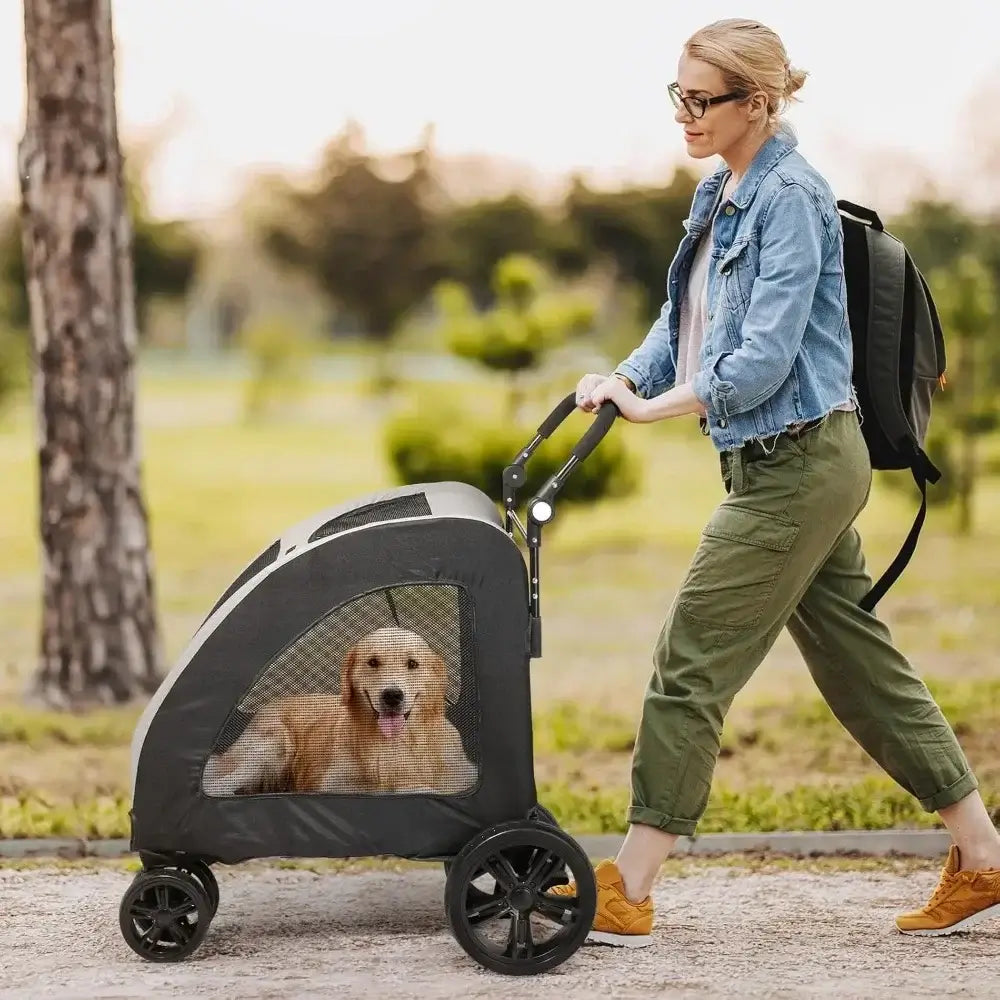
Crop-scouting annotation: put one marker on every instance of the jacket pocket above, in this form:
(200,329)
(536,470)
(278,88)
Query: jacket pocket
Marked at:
(737,270)
(738,561)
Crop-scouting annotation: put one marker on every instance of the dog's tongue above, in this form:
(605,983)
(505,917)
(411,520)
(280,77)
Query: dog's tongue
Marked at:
(391,725)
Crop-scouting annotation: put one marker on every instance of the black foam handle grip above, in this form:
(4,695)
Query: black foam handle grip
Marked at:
(562,410)
(595,433)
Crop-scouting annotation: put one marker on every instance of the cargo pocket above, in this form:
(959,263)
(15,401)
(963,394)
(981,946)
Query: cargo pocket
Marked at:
(740,557)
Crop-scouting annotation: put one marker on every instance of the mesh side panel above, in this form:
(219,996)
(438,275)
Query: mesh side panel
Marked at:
(264,559)
(377,697)
(412,505)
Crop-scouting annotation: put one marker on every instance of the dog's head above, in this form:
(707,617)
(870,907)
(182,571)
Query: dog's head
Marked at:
(393,673)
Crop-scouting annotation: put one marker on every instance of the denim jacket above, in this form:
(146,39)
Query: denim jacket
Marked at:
(777,349)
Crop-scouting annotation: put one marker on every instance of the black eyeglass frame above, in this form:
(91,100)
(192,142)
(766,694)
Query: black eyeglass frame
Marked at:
(704,103)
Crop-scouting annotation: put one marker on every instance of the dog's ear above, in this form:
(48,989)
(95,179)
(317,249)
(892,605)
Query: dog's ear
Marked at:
(350,661)
(440,670)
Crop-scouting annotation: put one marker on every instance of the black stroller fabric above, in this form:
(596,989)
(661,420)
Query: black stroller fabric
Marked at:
(451,593)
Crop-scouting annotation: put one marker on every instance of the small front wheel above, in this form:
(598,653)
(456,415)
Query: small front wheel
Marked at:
(514,926)
(164,915)
(204,874)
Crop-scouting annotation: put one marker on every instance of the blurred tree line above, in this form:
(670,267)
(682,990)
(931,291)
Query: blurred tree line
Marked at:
(378,235)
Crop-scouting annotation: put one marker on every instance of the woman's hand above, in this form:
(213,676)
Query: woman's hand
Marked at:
(632,408)
(585,389)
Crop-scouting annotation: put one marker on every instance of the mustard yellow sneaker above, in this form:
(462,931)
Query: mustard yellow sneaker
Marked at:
(961,900)
(618,921)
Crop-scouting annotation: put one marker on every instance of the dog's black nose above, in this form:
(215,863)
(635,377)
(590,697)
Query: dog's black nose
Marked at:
(392,697)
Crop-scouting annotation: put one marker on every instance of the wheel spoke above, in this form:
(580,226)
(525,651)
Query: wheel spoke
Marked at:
(502,870)
(188,906)
(141,911)
(162,897)
(483,911)
(151,936)
(544,868)
(519,941)
(561,909)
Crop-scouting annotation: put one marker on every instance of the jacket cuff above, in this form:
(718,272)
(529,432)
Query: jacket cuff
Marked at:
(631,372)
(713,393)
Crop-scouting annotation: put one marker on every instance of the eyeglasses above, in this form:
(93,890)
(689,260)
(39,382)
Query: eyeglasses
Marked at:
(697,106)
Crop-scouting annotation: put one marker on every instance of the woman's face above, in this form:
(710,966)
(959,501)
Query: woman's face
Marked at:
(724,126)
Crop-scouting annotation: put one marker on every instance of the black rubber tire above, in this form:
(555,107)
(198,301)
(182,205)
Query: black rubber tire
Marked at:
(476,896)
(521,855)
(159,904)
(204,874)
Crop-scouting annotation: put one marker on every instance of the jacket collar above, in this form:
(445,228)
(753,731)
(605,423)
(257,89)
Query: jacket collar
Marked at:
(775,149)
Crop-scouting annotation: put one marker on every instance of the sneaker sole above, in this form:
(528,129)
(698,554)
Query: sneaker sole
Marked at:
(619,940)
(963,925)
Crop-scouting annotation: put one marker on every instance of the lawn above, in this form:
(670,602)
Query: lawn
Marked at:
(219,489)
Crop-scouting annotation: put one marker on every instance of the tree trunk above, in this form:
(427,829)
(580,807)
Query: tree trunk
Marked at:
(99,636)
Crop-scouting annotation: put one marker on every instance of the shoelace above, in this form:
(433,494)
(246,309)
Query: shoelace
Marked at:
(946,884)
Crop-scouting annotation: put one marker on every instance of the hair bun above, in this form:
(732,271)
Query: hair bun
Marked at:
(794,79)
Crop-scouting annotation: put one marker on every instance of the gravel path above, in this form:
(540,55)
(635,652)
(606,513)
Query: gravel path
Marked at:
(294,934)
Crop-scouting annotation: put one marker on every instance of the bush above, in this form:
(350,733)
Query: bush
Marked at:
(440,443)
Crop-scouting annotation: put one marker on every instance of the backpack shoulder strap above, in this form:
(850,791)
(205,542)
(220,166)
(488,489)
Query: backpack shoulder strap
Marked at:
(886,284)
(924,471)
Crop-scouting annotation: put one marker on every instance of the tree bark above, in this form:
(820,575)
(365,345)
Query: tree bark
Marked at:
(99,636)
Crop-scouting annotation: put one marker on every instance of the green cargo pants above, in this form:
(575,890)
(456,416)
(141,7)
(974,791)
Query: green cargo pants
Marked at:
(782,550)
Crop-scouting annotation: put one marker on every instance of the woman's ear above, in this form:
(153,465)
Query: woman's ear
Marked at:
(347,675)
(757,106)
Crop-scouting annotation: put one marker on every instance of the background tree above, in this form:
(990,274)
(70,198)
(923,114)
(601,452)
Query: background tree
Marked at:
(99,637)
(526,322)
(165,255)
(366,239)
(454,436)
(637,228)
(966,297)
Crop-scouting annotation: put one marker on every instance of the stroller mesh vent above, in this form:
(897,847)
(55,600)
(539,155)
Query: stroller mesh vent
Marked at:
(377,697)
(411,505)
(264,559)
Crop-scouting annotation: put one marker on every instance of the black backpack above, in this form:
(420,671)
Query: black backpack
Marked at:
(899,360)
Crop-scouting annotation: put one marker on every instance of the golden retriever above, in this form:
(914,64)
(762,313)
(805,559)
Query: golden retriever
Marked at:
(385,732)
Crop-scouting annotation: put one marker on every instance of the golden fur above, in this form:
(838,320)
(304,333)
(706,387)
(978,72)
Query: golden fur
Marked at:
(385,732)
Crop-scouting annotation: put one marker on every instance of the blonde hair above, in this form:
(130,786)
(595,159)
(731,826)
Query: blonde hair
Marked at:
(751,58)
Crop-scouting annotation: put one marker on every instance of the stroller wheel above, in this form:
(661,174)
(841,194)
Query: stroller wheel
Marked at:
(164,915)
(516,928)
(206,877)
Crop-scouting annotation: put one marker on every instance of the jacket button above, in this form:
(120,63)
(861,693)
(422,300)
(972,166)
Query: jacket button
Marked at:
(730,210)
(721,422)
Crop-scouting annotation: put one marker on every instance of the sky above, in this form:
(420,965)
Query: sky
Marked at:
(560,85)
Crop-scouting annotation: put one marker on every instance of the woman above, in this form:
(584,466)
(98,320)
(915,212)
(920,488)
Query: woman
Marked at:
(754,339)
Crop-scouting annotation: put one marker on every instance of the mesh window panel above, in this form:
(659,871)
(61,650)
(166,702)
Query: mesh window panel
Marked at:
(412,505)
(377,697)
(264,559)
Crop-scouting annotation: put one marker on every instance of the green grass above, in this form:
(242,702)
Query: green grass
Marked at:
(873,804)
(39,729)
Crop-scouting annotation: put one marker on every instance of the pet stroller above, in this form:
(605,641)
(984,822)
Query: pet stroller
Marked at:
(392,631)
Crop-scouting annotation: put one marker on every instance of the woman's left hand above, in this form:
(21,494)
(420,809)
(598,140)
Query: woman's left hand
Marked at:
(632,408)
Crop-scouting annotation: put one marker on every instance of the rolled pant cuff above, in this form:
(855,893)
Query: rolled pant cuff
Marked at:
(669,824)
(955,792)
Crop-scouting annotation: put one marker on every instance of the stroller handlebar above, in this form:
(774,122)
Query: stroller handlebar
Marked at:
(540,507)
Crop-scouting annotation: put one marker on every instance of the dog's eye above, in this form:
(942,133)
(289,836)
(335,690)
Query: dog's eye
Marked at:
(412,664)
(373,662)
